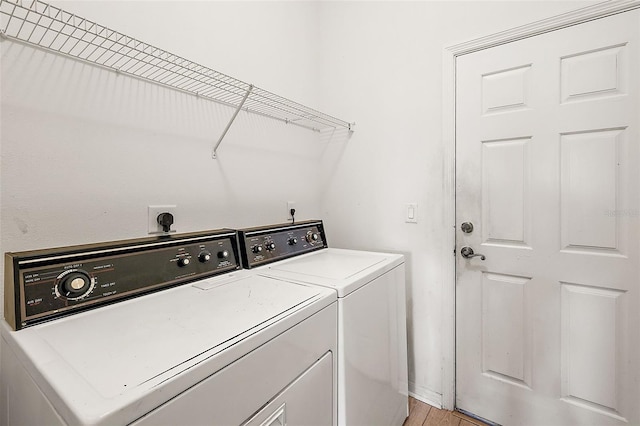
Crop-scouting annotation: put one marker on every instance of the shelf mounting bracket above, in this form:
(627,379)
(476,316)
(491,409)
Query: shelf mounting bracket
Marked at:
(233,117)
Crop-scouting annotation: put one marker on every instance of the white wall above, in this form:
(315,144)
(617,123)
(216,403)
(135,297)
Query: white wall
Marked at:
(382,67)
(84,151)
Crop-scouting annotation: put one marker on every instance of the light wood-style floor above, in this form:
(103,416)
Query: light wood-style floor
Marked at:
(421,414)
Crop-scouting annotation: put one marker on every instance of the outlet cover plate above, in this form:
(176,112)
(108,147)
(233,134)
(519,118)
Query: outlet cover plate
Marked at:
(291,205)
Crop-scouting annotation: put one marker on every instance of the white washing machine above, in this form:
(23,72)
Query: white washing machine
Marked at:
(372,337)
(218,345)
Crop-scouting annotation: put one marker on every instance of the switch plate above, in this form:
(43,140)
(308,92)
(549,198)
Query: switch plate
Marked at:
(154,211)
(290,205)
(411,213)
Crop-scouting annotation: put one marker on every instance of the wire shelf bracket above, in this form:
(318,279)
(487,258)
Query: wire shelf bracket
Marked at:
(214,154)
(54,29)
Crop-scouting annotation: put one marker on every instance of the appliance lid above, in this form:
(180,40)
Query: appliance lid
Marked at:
(343,270)
(123,346)
(130,356)
(331,264)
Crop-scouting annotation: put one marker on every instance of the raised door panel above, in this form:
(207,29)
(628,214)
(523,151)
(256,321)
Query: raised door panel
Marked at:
(594,74)
(506,352)
(505,191)
(590,196)
(591,344)
(505,90)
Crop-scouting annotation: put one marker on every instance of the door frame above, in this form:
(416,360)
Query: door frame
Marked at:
(449,56)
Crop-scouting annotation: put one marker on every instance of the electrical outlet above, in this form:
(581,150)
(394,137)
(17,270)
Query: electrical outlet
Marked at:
(290,205)
(154,211)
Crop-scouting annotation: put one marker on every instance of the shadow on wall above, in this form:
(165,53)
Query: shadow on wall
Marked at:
(99,147)
(68,86)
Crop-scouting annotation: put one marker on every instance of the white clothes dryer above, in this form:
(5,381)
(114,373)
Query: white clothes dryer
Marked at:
(218,345)
(372,337)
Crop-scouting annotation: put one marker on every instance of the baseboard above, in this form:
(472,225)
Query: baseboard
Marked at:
(425,395)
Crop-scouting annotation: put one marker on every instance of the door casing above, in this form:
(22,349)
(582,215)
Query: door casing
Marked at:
(449,56)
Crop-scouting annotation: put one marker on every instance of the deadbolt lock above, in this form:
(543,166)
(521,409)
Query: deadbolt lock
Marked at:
(467,227)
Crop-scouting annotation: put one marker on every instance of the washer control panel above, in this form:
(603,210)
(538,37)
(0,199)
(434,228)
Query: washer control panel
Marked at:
(46,284)
(266,244)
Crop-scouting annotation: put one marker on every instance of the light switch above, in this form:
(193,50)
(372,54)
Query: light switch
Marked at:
(412,213)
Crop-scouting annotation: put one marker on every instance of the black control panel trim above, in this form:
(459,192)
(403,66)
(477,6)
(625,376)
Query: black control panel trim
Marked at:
(37,288)
(116,250)
(270,229)
(267,244)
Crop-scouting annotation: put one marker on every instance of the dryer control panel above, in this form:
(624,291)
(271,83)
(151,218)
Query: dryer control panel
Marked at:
(266,244)
(45,284)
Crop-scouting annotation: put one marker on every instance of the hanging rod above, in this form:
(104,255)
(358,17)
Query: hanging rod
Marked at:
(54,29)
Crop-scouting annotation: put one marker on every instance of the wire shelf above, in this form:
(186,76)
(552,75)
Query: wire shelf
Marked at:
(57,30)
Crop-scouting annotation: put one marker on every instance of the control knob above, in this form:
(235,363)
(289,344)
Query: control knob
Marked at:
(223,254)
(204,256)
(257,249)
(312,237)
(293,241)
(184,261)
(75,284)
(271,246)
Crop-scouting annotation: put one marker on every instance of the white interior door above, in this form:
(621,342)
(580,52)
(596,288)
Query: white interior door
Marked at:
(547,164)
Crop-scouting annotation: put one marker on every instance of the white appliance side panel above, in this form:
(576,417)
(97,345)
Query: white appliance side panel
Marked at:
(235,393)
(21,401)
(372,363)
(398,292)
(307,401)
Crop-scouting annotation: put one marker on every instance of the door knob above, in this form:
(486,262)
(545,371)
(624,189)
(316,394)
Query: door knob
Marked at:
(468,253)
